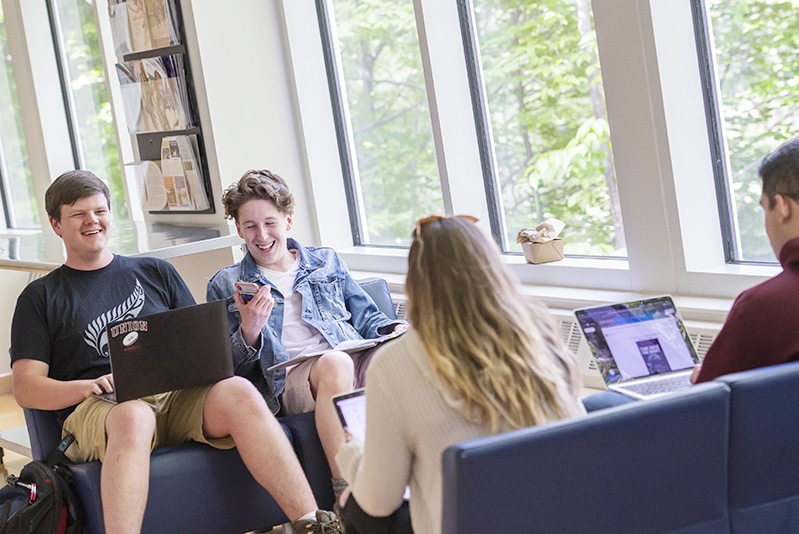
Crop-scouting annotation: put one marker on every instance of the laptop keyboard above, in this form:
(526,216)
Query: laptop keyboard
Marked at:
(665,385)
(108,397)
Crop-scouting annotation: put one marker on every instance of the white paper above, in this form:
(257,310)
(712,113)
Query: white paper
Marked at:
(154,197)
(118,14)
(178,196)
(158,23)
(194,178)
(350,346)
(139,27)
(543,233)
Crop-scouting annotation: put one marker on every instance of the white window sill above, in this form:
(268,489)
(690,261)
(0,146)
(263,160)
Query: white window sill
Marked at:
(546,281)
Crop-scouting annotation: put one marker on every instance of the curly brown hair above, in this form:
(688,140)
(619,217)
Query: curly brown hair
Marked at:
(257,185)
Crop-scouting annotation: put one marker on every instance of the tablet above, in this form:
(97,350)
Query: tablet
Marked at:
(351,410)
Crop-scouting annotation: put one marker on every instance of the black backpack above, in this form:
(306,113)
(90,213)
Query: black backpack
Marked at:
(41,500)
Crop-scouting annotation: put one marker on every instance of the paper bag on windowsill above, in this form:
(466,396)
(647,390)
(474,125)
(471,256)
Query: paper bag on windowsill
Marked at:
(542,244)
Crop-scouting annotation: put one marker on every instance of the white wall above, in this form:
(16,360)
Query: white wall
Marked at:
(197,269)
(11,284)
(247,86)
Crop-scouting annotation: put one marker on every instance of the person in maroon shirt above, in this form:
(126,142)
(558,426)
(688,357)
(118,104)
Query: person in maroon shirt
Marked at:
(761,328)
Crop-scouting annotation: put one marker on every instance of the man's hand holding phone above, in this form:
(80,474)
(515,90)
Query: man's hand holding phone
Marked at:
(247,290)
(255,305)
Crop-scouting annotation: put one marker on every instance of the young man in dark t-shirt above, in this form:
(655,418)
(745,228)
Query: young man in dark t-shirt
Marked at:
(59,355)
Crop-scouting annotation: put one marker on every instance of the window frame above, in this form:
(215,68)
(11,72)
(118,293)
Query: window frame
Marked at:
(482,120)
(41,102)
(338,104)
(715,129)
(66,94)
(653,91)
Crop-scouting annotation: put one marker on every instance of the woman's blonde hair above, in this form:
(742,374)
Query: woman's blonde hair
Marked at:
(500,355)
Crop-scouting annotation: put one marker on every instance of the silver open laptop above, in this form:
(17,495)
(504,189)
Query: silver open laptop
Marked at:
(641,348)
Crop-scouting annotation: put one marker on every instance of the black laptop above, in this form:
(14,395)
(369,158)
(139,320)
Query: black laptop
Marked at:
(171,350)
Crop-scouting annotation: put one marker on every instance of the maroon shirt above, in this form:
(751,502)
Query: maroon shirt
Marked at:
(762,327)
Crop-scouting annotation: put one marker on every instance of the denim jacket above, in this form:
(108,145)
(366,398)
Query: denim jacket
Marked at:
(332,302)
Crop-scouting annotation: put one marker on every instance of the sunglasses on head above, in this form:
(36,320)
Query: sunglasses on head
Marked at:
(417,233)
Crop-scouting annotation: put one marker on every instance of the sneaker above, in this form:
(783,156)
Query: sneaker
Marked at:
(326,523)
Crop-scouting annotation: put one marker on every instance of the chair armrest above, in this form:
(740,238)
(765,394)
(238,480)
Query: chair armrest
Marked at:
(377,289)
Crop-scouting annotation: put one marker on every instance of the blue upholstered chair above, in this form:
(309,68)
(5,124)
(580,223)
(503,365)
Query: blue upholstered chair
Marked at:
(377,288)
(645,467)
(196,488)
(764,449)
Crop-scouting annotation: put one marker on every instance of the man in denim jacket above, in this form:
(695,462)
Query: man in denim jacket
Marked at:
(306,302)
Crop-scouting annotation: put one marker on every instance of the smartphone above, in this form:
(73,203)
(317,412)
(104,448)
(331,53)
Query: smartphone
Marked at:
(247,290)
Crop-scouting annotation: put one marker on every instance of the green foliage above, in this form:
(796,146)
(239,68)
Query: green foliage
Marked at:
(569,185)
(92,109)
(758,70)
(551,137)
(390,120)
(546,107)
(552,147)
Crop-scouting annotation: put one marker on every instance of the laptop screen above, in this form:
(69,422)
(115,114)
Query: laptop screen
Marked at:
(637,339)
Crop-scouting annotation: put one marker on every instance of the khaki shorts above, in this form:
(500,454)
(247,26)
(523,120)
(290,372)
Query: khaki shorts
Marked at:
(178,418)
(297,396)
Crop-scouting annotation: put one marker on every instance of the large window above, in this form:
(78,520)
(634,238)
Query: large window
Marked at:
(547,116)
(751,51)
(94,140)
(390,154)
(542,101)
(19,202)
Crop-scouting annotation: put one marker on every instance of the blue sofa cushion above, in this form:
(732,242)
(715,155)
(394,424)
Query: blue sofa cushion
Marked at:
(193,488)
(654,466)
(764,449)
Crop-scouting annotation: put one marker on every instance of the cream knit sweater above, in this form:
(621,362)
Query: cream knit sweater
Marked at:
(410,421)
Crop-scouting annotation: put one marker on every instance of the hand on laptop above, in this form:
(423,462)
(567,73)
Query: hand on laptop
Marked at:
(103,384)
(695,374)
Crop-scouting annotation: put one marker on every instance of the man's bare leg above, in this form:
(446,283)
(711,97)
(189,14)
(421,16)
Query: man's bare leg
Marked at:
(331,375)
(125,474)
(234,407)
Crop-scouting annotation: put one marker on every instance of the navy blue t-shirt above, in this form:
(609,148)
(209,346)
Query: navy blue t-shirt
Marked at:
(60,319)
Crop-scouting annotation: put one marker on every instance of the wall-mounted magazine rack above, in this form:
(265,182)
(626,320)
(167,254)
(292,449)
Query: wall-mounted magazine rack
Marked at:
(175,183)
(154,73)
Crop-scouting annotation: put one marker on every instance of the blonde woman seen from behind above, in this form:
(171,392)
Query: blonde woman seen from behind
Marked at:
(479,359)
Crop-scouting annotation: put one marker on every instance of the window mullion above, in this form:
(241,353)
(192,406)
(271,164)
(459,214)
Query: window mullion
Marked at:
(640,143)
(447,81)
(40,98)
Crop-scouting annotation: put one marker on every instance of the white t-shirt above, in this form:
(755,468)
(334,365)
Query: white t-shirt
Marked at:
(298,336)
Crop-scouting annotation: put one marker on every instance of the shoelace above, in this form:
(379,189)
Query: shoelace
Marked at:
(328,527)
(331,527)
